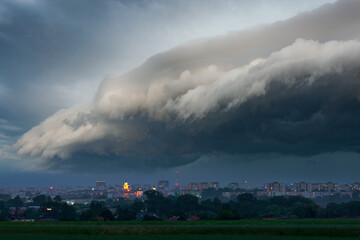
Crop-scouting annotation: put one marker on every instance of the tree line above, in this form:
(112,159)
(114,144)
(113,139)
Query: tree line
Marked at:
(155,206)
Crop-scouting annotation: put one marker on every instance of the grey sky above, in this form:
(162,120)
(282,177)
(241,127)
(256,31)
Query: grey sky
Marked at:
(55,54)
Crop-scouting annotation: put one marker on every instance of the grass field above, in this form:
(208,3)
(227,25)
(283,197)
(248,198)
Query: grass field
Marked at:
(335,229)
(162,237)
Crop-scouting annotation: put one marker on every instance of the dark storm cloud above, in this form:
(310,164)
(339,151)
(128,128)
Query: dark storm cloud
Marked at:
(257,91)
(60,50)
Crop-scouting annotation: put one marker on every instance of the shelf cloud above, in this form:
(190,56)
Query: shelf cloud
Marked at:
(292,87)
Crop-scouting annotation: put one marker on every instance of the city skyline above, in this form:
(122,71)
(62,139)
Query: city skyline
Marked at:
(101,189)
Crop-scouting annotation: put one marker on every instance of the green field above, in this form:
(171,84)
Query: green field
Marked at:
(161,237)
(247,229)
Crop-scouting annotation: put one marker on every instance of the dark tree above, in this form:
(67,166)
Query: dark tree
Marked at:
(88,215)
(57,199)
(353,208)
(107,215)
(96,207)
(39,199)
(304,209)
(126,214)
(32,213)
(16,202)
(187,203)
(154,201)
(67,212)
(4,211)
(247,206)
(138,205)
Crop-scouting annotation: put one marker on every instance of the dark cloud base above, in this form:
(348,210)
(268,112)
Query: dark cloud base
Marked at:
(216,96)
(85,161)
(301,120)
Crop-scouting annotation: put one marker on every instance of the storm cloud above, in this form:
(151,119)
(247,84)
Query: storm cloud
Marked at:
(292,87)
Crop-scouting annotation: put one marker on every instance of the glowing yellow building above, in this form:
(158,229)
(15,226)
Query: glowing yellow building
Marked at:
(126,187)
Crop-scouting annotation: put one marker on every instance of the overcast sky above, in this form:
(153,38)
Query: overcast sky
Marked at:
(220,90)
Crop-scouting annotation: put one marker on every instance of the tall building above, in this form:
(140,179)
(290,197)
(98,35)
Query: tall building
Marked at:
(274,187)
(100,184)
(302,187)
(214,185)
(290,187)
(193,186)
(204,185)
(163,185)
(126,187)
(316,187)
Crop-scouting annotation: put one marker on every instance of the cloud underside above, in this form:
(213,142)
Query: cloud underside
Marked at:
(297,96)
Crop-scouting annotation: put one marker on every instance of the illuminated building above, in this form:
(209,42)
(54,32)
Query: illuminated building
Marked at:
(350,187)
(214,185)
(302,187)
(290,187)
(126,187)
(193,186)
(139,192)
(163,185)
(324,187)
(177,185)
(274,187)
(204,185)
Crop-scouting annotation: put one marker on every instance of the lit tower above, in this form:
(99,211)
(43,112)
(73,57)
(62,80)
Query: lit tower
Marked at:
(126,186)
(176,187)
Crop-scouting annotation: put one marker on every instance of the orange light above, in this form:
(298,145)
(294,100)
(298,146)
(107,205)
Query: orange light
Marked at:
(51,187)
(126,186)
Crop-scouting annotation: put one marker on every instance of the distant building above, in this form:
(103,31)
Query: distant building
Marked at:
(315,187)
(214,185)
(146,187)
(302,187)
(204,185)
(163,185)
(193,186)
(101,184)
(274,187)
(290,187)
(126,187)
(331,187)
(349,187)
(245,185)
(324,187)
(233,186)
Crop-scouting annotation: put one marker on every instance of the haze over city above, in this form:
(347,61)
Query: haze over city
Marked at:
(227,91)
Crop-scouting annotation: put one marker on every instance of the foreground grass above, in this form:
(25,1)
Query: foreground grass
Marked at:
(257,229)
(161,237)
